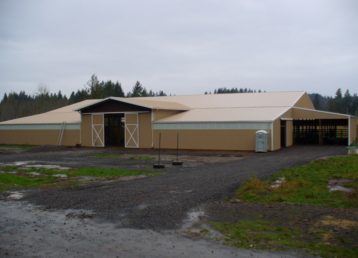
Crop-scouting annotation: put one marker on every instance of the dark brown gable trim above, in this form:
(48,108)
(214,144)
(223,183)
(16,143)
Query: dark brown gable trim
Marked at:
(111,105)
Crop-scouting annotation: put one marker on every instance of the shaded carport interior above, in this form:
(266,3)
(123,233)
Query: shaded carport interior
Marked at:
(321,127)
(320,131)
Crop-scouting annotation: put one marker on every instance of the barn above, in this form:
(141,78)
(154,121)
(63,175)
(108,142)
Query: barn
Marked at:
(202,122)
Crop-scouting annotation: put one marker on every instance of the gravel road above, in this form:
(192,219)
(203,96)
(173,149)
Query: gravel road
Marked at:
(162,202)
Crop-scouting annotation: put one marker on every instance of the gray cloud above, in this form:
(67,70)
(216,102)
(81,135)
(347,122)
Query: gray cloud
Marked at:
(179,46)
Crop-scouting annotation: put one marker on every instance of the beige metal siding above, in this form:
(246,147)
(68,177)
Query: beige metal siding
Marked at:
(98,119)
(353,129)
(131,118)
(243,140)
(276,134)
(159,114)
(288,114)
(86,130)
(39,137)
(305,102)
(145,130)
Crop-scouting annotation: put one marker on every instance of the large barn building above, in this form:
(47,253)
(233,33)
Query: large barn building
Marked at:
(203,122)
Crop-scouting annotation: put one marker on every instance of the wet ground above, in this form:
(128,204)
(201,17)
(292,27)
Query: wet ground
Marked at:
(28,231)
(139,215)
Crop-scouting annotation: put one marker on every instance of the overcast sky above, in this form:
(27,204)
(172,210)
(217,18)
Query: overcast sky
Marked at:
(180,46)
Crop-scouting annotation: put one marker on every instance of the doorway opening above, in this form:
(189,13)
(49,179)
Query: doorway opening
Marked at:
(114,130)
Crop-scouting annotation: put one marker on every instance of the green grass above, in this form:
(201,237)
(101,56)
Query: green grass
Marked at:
(24,179)
(307,184)
(264,235)
(10,181)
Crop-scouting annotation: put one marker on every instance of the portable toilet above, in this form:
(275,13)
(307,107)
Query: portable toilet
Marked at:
(261,141)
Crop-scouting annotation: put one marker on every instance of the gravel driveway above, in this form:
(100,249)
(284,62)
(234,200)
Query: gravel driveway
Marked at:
(139,218)
(162,202)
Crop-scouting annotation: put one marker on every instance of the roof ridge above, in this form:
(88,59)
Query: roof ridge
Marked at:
(218,94)
(229,107)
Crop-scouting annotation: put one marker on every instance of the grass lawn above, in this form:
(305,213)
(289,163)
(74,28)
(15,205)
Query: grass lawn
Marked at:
(323,235)
(14,177)
(307,184)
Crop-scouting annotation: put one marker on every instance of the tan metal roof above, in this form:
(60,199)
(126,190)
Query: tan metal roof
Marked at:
(65,114)
(263,99)
(242,114)
(153,103)
(212,107)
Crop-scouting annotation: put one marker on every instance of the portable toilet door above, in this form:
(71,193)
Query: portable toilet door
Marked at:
(261,141)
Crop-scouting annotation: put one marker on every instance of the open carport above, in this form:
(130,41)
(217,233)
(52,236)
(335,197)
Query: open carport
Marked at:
(321,131)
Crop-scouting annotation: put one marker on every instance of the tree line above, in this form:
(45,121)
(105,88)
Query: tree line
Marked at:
(341,103)
(14,105)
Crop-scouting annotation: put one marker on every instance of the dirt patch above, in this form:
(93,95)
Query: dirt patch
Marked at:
(345,224)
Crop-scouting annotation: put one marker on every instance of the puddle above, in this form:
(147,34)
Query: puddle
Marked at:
(47,167)
(11,172)
(21,163)
(60,175)
(14,195)
(340,189)
(193,217)
(142,206)
(32,164)
(34,174)
(338,185)
(278,183)
(86,179)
